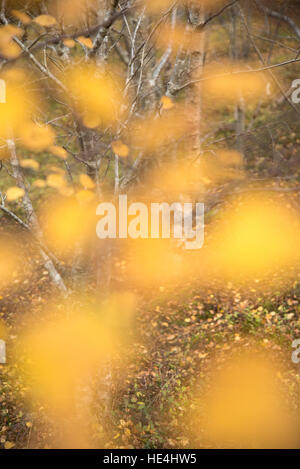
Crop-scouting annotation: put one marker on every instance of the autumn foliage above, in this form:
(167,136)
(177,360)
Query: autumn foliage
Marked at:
(132,343)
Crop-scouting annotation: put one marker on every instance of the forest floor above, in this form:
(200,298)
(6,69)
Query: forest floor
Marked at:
(177,344)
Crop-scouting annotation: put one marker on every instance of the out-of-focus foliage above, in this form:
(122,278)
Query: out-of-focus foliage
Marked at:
(58,356)
(21,103)
(246,405)
(96,94)
(166,102)
(255,237)
(67,221)
(229,84)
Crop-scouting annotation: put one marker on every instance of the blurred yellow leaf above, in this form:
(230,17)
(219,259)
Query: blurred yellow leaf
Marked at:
(39,183)
(28,163)
(86,181)
(120,148)
(21,102)
(91,121)
(85,196)
(63,350)
(224,84)
(256,236)
(60,152)
(245,406)
(86,41)
(66,191)
(98,94)
(45,20)
(71,12)
(14,193)
(8,47)
(8,445)
(152,132)
(166,103)
(21,16)
(69,43)
(56,169)
(65,222)
(55,181)
(37,137)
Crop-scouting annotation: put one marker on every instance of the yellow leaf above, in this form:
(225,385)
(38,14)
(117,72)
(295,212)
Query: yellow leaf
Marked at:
(97,92)
(86,41)
(85,196)
(224,85)
(66,191)
(20,100)
(14,193)
(37,137)
(21,16)
(39,183)
(11,30)
(29,424)
(28,163)
(60,152)
(86,181)
(151,133)
(8,445)
(166,103)
(64,221)
(56,169)
(45,20)
(9,49)
(120,148)
(91,121)
(71,12)
(56,181)
(69,43)
(7,46)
